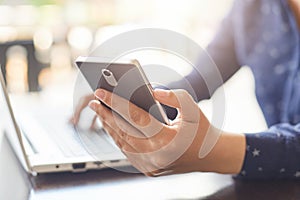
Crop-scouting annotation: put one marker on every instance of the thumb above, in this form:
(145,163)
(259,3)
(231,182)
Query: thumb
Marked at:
(167,97)
(181,100)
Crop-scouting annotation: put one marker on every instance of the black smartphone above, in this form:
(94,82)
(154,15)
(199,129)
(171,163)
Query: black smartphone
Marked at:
(125,78)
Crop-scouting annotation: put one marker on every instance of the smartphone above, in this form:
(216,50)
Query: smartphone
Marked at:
(126,78)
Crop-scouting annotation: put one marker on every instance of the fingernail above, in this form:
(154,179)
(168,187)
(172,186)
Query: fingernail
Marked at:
(92,105)
(100,94)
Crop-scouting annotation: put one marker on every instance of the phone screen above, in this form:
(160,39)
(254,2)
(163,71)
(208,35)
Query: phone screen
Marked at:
(125,80)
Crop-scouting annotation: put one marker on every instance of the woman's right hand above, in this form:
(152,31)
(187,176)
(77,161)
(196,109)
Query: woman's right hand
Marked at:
(187,144)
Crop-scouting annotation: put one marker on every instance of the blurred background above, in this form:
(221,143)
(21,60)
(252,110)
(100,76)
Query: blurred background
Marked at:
(61,30)
(51,34)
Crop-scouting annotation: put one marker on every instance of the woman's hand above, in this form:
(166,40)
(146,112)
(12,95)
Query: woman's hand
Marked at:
(82,104)
(158,149)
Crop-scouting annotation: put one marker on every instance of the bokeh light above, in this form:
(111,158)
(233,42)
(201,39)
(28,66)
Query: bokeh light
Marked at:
(80,38)
(64,30)
(43,38)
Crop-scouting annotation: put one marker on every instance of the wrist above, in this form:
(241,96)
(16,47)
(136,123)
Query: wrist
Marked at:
(227,156)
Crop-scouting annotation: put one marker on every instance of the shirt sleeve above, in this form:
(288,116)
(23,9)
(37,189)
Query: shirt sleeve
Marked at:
(222,54)
(273,154)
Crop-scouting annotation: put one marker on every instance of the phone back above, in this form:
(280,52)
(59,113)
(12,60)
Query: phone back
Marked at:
(125,80)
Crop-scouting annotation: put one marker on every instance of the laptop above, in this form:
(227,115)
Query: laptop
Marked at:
(45,142)
(14,181)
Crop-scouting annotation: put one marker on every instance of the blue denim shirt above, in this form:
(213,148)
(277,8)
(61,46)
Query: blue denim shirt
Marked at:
(264,35)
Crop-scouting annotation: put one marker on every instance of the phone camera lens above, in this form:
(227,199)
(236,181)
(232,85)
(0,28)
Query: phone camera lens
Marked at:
(106,72)
(109,77)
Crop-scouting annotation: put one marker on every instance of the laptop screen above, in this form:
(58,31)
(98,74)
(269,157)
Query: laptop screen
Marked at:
(8,124)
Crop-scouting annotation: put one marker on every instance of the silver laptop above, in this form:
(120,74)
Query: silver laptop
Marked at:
(14,181)
(44,140)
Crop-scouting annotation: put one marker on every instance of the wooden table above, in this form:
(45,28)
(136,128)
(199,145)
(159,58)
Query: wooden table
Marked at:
(112,184)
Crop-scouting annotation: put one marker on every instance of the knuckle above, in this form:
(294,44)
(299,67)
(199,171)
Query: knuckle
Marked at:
(127,138)
(185,96)
(121,127)
(135,116)
(108,98)
(144,119)
(118,142)
(127,151)
(182,92)
(121,133)
(150,174)
(172,93)
(159,162)
(138,117)
(99,112)
(155,173)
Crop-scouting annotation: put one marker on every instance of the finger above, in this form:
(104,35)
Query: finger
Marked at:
(114,120)
(173,98)
(143,149)
(93,124)
(121,127)
(120,142)
(130,134)
(139,160)
(136,116)
(83,102)
(166,97)
(180,99)
(159,172)
(134,157)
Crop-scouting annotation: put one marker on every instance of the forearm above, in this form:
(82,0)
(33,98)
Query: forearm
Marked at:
(207,76)
(202,82)
(214,65)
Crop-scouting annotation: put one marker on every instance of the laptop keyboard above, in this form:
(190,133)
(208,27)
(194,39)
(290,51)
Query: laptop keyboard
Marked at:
(77,143)
(65,137)
(44,121)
